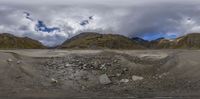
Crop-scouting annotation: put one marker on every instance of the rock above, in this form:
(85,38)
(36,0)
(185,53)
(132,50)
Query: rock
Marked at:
(19,62)
(103,67)
(77,60)
(67,65)
(103,79)
(135,78)
(91,67)
(162,75)
(124,80)
(118,74)
(125,69)
(84,65)
(83,87)
(9,60)
(54,81)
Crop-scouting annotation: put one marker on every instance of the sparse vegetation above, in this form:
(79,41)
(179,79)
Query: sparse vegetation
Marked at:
(90,40)
(190,41)
(100,41)
(8,41)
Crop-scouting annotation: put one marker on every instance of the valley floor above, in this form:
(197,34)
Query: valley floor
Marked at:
(120,74)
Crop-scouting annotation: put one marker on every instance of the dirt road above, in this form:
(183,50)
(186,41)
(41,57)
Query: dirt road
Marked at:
(99,73)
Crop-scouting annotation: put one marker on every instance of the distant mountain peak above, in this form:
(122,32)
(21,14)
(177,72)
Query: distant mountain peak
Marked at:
(138,39)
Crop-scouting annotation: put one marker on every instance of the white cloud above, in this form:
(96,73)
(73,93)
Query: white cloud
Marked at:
(138,19)
(68,19)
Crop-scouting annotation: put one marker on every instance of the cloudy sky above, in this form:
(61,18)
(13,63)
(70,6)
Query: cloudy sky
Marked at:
(53,21)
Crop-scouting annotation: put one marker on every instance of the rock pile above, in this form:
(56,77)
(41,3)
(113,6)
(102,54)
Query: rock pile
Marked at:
(103,69)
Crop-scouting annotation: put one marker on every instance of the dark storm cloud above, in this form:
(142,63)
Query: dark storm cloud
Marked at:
(127,17)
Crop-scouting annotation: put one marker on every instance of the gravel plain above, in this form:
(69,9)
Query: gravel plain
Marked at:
(59,74)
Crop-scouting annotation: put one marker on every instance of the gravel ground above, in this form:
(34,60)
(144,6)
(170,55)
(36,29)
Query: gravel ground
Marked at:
(100,73)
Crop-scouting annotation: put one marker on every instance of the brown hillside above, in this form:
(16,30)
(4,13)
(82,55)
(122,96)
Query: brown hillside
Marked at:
(98,41)
(9,41)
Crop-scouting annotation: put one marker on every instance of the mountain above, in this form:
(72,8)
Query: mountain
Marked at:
(113,41)
(142,42)
(188,41)
(9,41)
(91,40)
(162,44)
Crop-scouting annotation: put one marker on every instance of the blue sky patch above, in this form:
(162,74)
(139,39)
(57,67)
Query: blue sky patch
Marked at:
(153,36)
(41,26)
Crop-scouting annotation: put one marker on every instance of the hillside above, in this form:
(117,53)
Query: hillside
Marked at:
(9,41)
(161,43)
(98,41)
(189,41)
(89,40)
(141,41)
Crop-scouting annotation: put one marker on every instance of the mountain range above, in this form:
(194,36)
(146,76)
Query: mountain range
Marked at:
(113,41)
(91,40)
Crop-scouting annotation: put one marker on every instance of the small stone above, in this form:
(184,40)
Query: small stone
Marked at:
(103,79)
(67,65)
(77,60)
(83,87)
(54,81)
(118,74)
(92,67)
(135,78)
(115,61)
(9,60)
(162,75)
(124,80)
(19,62)
(103,67)
(125,69)
(84,65)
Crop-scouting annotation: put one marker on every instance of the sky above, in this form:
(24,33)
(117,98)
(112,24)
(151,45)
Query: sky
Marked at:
(54,21)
